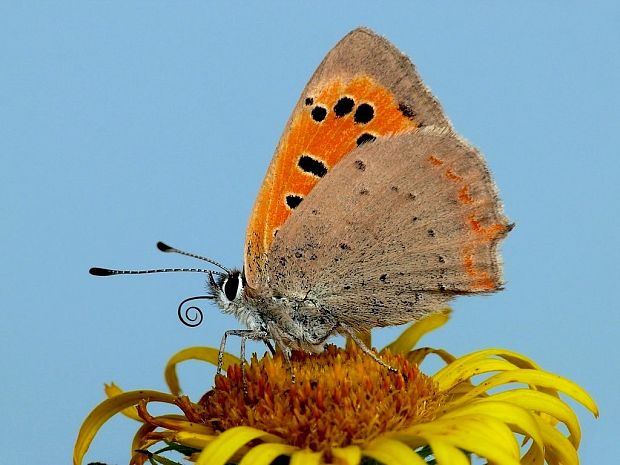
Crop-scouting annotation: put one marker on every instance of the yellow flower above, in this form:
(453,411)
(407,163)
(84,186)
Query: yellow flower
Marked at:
(344,408)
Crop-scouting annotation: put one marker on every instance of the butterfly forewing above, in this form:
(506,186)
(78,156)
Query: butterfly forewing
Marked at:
(365,90)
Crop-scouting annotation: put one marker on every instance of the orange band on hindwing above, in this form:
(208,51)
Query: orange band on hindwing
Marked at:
(482,280)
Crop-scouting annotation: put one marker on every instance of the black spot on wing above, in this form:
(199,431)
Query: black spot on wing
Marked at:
(364,138)
(364,113)
(343,107)
(318,113)
(312,166)
(293,201)
(406,110)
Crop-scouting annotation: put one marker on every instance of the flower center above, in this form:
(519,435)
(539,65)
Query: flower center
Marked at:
(340,397)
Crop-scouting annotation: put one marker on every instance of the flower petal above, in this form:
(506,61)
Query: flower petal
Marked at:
(417,356)
(195,440)
(541,402)
(112,390)
(447,454)
(104,411)
(519,419)
(392,452)
(410,337)
(535,378)
(351,455)
(264,454)
(305,457)
(559,450)
(449,378)
(219,451)
(484,436)
(466,366)
(205,354)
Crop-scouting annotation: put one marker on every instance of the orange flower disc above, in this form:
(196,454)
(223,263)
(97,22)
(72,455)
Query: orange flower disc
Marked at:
(340,397)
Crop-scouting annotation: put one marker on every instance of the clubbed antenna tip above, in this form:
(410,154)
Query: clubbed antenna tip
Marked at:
(95,271)
(164,247)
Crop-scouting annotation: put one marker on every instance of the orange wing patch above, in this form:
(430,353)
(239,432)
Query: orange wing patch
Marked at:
(337,118)
(481,279)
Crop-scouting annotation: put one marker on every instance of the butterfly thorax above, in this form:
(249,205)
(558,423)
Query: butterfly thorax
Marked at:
(292,322)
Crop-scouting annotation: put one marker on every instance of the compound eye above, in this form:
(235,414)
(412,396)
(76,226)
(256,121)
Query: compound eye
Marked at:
(231,286)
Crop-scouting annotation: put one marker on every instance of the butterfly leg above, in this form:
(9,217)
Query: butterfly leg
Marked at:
(286,351)
(244,381)
(270,347)
(243,334)
(365,348)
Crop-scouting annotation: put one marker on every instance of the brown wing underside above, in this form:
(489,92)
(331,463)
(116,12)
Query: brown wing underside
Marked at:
(395,230)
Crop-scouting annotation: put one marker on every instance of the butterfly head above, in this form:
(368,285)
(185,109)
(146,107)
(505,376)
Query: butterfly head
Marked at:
(227,288)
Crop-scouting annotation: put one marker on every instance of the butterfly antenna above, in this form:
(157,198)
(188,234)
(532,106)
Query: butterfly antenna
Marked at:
(96,271)
(167,249)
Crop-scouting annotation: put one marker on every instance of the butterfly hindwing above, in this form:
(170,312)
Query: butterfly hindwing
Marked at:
(398,228)
(365,90)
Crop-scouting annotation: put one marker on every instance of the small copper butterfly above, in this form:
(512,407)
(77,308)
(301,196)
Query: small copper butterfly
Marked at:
(373,212)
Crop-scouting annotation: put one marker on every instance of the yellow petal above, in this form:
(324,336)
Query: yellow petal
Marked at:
(264,454)
(195,440)
(392,452)
(446,454)
(112,390)
(104,411)
(205,354)
(417,356)
(540,402)
(484,436)
(535,378)
(410,337)
(559,449)
(351,455)
(532,456)
(305,457)
(518,418)
(513,357)
(449,378)
(451,374)
(219,451)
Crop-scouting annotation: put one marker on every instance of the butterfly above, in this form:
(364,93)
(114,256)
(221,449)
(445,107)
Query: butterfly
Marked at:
(373,212)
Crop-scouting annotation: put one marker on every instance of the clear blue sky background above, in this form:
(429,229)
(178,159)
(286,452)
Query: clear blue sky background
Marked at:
(130,122)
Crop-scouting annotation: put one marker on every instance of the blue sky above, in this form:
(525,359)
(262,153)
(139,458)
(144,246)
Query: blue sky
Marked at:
(125,123)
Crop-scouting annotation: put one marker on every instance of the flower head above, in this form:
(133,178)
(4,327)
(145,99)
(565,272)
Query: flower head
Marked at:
(339,398)
(343,406)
